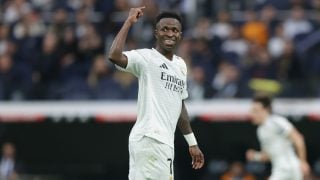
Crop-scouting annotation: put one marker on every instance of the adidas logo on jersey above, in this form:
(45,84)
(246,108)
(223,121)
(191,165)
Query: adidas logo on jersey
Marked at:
(164,66)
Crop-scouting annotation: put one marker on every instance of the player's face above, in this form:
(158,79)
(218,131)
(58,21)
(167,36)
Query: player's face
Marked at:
(257,113)
(168,34)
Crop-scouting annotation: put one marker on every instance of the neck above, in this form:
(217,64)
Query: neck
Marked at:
(264,117)
(165,53)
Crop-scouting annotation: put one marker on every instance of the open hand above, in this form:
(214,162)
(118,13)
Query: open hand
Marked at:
(250,154)
(197,157)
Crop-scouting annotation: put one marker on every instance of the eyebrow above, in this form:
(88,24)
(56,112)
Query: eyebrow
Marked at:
(170,26)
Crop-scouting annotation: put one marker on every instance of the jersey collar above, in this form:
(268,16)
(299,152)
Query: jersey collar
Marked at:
(173,58)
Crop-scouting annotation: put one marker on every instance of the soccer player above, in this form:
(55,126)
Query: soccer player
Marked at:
(279,140)
(162,89)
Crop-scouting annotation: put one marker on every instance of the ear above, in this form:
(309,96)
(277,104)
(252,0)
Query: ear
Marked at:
(180,36)
(156,33)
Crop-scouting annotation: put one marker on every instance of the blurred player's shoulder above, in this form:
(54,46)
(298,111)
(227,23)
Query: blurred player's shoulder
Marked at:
(279,118)
(282,122)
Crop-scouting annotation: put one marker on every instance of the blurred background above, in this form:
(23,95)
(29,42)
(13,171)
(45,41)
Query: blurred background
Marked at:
(65,113)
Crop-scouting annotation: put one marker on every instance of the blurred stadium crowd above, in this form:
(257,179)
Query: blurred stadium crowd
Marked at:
(55,49)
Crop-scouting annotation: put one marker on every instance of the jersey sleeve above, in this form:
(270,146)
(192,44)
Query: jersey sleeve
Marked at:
(135,63)
(285,126)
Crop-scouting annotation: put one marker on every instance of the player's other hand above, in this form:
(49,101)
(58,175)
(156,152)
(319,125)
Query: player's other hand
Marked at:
(305,168)
(250,154)
(197,157)
(135,14)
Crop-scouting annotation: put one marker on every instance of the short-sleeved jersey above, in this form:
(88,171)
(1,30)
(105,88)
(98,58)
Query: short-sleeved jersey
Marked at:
(162,87)
(273,135)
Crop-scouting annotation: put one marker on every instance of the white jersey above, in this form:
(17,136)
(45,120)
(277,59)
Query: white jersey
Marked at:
(162,87)
(273,135)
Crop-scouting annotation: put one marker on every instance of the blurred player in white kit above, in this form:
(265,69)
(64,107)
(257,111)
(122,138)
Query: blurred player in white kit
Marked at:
(280,141)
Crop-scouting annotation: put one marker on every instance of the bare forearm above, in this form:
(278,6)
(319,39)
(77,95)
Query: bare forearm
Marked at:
(299,144)
(301,148)
(185,128)
(184,121)
(117,47)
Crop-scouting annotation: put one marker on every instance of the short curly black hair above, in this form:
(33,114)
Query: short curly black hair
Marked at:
(168,14)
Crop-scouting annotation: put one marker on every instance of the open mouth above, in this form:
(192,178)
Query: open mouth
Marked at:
(169,42)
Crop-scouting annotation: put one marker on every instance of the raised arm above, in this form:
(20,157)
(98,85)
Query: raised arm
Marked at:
(185,128)
(299,144)
(115,52)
